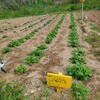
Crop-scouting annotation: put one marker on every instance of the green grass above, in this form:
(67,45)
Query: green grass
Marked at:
(37,10)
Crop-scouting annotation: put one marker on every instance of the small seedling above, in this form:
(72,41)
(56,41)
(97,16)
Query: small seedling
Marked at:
(5,50)
(20,69)
(79,91)
(5,36)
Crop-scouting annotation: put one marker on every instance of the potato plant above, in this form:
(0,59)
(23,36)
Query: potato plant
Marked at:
(79,71)
(20,69)
(73,36)
(5,50)
(78,52)
(79,91)
(76,59)
(53,33)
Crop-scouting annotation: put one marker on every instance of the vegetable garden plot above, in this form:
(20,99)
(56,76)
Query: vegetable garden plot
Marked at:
(17,22)
(52,48)
(23,27)
(38,26)
(20,52)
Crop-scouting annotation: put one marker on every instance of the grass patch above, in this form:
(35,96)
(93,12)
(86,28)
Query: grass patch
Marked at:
(11,91)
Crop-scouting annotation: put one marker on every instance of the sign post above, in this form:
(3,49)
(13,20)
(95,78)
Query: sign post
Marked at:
(59,81)
(82,1)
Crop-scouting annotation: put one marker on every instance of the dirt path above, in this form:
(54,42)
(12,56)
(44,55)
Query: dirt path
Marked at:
(13,37)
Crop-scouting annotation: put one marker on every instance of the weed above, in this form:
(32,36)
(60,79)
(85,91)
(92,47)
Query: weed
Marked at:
(12,91)
(95,27)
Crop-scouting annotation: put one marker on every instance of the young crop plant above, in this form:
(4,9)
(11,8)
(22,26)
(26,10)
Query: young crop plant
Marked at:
(32,59)
(79,71)
(78,52)
(20,69)
(73,40)
(77,60)
(53,33)
(14,43)
(43,46)
(5,36)
(37,52)
(5,50)
(79,91)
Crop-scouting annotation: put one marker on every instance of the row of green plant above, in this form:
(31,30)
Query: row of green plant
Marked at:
(73,40)
(25,23)
(31,25)
(35,55)
(79,70)
(54,32)
(18,42)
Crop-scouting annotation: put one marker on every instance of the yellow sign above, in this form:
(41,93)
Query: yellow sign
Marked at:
(59,80)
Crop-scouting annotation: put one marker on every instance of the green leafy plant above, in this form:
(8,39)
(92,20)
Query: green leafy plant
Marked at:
(20,69)
(80,72)
(79,91)
(32,59)
(42,46)
(53,33)
(37,52)
(5,50)
(78,52)
(5,36)
(77,60)
(14,43)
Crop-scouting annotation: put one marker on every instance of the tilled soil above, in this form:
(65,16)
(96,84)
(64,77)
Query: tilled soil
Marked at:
(55,59)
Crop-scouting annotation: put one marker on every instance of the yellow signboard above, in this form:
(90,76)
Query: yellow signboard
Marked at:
(59,80)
